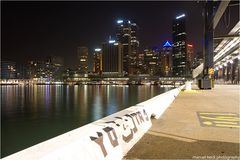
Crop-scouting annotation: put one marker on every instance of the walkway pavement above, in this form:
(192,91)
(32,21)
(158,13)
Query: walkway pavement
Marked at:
(200,124)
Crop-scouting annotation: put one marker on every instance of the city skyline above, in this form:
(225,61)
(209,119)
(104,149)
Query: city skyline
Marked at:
(140,80)
(52,42)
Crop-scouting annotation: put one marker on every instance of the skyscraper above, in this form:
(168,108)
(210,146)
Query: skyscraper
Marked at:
(140,63)
(166,59)
(190,56)
(112,58)
(8,70)
(151,59)
(97,61)
(55,65)
(21,70)
(49,69)
(127,35)
(83,59)
(179,55)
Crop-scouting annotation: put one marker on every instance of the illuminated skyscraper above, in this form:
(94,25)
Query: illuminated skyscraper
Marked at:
(127,35)
(8,70)
(54,66)
(141,67)
(83,59)
(21,70)
(112,58)
(179,54)
(49,69)
(190,56)
(97,61)
(151,59)
(166,59)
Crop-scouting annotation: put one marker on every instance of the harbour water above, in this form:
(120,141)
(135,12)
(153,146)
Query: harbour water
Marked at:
(32,114)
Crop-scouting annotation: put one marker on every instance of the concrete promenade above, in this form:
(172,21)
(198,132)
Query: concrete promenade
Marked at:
(199,124)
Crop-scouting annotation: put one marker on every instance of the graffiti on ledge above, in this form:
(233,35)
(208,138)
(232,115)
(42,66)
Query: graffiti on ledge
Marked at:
(136,118)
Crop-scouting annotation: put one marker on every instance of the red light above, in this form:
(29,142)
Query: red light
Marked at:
(189,45)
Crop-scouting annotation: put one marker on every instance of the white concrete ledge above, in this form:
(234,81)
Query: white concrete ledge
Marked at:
(108,138)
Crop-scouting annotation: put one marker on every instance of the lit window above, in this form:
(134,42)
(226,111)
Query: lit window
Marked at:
(83,60)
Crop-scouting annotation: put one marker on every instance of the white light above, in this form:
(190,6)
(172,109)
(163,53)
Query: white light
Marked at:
(226,48)
(238,57)
(225,64)
(216,68)
(220,66)
(115,44)
(129,21)
(98,49)
(231,61)
(120,21)
(111,41)
(182,15)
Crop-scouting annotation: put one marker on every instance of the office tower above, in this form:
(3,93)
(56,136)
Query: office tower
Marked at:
(166,59)
(83,59)
(97,61)
(40,70)
(8,70)
(54,65)
(127,35)
(151,59)
(21,71)
(190,56)
(32,69)
(179,49)
(50,69)
(112,58)
(140,63)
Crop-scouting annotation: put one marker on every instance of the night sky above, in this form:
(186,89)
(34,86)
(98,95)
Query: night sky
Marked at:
(34,30)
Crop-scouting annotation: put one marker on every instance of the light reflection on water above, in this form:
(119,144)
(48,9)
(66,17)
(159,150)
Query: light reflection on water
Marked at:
(32,114)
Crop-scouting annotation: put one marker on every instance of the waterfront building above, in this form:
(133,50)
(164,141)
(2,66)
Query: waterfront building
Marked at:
(21,71)
(190,56)
(97,61)
(151,60)
(112,58)
(8,70)
(166,59)
(39,70)
(73,75)
(127,35)
(55,64)
(35,69)
(141,67)
(48,70)
(179,48)
(83,59)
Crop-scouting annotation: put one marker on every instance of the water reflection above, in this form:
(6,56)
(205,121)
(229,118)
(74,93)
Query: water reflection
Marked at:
(37,113)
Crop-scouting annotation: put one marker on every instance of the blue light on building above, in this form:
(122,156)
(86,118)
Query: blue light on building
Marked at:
(167,44)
